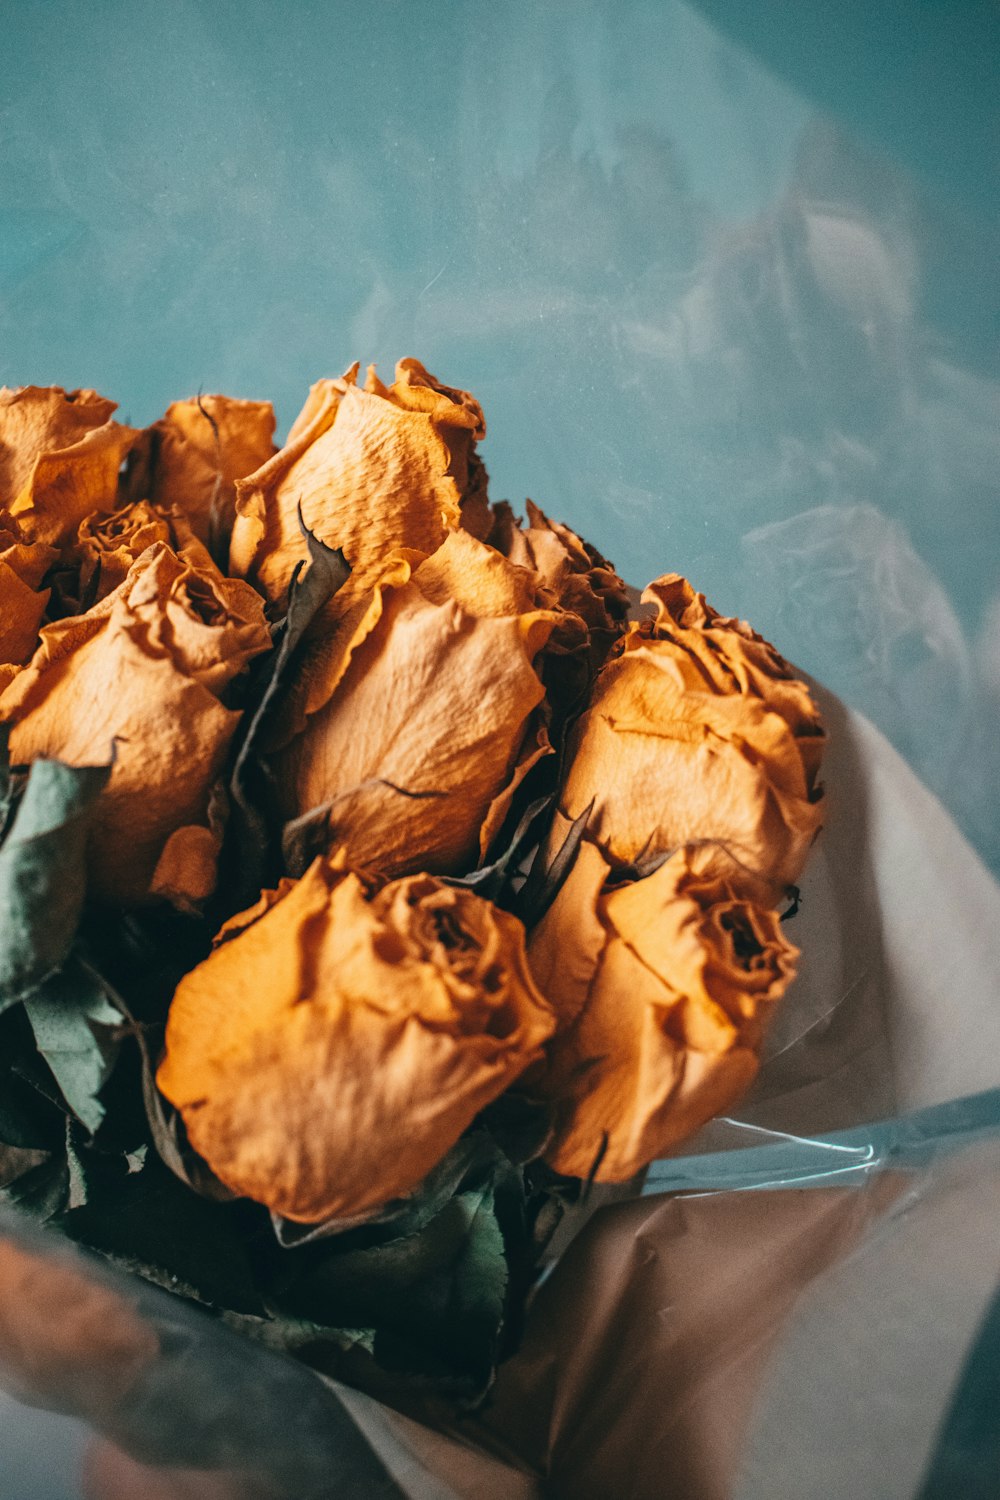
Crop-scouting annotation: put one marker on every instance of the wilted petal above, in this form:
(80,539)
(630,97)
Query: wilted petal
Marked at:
(59,458)
(197,451)
(424,710)
(21,611)
(662,1009)
(373,470)
(335,1044)
(698,732)
(140,672)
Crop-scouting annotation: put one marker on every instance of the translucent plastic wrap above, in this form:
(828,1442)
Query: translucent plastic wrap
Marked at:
(791,1308)
(724,278)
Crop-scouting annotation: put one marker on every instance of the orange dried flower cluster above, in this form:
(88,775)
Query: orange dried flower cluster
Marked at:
(347,1029)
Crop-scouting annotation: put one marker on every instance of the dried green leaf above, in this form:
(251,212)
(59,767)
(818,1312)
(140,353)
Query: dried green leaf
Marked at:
(493,880)
(251,834)
(78,1031)
(544,882)
(148,1221)
(42,878)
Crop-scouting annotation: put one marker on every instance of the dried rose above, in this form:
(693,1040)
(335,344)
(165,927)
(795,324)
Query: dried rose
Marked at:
(192,457)
(144,671)
(697,731)
(581,581)
(60,454)
(108,543)
(414,721)
(336,1043)
(663,987)
(373,470)
(23,565)
(576,580)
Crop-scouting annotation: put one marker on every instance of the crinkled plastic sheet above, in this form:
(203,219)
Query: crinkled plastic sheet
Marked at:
(787,1307)
(786,376)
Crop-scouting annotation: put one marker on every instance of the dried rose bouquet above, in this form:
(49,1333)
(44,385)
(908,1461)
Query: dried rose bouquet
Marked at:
(372,874)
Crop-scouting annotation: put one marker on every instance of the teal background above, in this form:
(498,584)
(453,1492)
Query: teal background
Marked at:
(724,276)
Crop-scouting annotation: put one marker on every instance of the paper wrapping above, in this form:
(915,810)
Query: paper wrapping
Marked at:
(785,1309)
(742,1342)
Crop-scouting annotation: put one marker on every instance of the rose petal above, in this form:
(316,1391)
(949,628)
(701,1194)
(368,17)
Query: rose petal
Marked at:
(199,449)
(326,1056)
(427,711)
(59,458)
(662,1009)
(21,611)
(373,470)
(698,732)
(140,672)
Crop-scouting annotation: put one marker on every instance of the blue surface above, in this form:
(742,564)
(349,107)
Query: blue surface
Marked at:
(725,278)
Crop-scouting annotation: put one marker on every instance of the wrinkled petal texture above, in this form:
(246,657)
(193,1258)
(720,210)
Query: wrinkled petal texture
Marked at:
(373,470)
(420,711)
(663,987)
(199,449)
(21,611)
(59,458)
(580,580)
(23,601)
(108,543)
(697,731)
(334,1046)
(141,672)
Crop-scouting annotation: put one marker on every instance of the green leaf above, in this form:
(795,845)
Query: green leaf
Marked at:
(78,1031)
(41,1192)
(150,1222)
(493,879)
(435,1299)
(544,882)
(29,1117)
(401,1216)
(42,879)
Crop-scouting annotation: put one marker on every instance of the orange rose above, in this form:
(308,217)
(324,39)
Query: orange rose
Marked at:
(59,458)
(108,543)
(23,565)
(336,1043)
(192,457)
(581,581)
(144,670)
(373,470)
(698,732)
(415,720)
(663,987)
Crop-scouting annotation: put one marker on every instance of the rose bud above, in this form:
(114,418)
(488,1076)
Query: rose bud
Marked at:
(582,581)
(574,578)
(373,470)
(336,1043)
(663,987)
(143,672)
(414,721)
(59,458)
(108,543)
(23,565)
(192,457)
(697,732)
